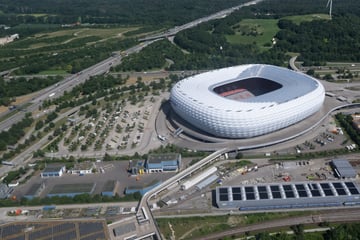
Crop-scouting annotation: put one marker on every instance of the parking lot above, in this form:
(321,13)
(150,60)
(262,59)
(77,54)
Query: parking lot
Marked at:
(111,171)
(116,126)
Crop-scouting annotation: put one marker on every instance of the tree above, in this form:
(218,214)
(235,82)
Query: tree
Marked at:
(239,155)
(310,72)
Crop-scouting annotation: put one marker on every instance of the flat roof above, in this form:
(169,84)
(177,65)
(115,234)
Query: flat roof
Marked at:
(344,168)
(124,229)
(109,186)
(72,188)
(53,168)
(158,158)
(59,229)
(83,166)
(33,190)
(4,190)
(288,195)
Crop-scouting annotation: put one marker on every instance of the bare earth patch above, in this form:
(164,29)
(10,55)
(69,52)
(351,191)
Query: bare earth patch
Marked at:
(19,100)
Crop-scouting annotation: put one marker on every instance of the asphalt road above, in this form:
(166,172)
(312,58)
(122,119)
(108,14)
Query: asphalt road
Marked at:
(67,84)
(217,15)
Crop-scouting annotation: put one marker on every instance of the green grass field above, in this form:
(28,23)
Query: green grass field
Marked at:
(193,227)
(248,31)
(261,31)
(69,35)
(53,72)
(297,19)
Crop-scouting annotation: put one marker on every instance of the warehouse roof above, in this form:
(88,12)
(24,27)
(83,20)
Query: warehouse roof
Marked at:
(158,158)
(53,168)
(288,195)
(343,168)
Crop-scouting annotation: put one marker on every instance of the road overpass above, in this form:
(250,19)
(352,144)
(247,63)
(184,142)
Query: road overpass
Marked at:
(144,215)
(186,172)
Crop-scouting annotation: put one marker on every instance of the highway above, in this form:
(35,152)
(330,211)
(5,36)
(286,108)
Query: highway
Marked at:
(67,84)
(217,15)
(101,68)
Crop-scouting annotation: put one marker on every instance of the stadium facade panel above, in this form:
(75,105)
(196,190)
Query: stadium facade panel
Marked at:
(246,101)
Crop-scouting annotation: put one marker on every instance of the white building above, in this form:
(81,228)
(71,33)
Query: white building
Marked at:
(246,101)
(82,168)
(53,170)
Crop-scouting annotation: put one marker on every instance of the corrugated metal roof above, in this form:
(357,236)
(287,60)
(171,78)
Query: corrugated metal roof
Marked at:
(206,182)
(344,168)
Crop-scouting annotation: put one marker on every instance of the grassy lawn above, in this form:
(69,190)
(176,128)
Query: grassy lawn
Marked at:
(260,31)
(36,14)
(297,19)
(85,32)
(53,72)
(192,227)
(64,36)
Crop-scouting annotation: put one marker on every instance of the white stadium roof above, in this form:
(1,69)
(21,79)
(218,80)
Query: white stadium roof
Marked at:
(282,97)
(294,85)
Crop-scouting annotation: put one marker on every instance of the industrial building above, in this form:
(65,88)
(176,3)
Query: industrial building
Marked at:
(136,167)
(167,162)
(110,188)
(208,173)
(246,101)
(4,191)
(34,191)
(53,170)
(343,169)
(71,190)
(82,168)
(206,182)
(141,189)
(288,195)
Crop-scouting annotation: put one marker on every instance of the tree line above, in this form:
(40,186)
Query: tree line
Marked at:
(71,57)
(319,41)
(147,12)
(10,89)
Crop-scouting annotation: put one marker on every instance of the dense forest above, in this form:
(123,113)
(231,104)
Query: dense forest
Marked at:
(23,86)
(321,41)
(203,47)
(163,12)
(315,41)
(281,8)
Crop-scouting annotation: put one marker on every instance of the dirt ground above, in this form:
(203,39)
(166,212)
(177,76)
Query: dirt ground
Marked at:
(19,100)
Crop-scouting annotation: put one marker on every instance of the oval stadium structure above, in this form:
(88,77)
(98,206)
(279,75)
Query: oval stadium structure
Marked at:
(246,101)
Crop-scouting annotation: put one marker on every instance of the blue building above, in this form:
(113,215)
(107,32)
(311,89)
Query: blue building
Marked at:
(34,191)
(168,162)
(141,190)
(53,171)
(110,188)
(71,190)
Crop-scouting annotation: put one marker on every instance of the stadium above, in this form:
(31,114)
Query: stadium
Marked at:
(246,101)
